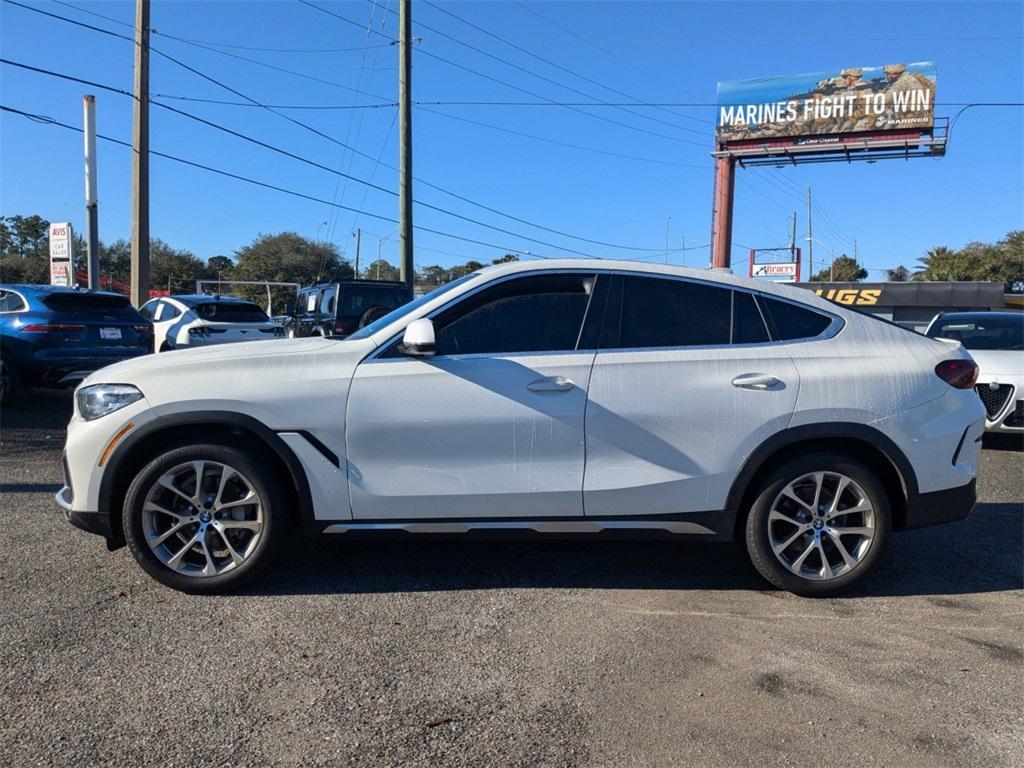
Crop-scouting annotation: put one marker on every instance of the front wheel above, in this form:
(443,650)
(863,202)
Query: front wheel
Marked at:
(818,524)
(204,519)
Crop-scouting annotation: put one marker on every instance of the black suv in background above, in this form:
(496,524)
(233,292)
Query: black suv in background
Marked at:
(338,309)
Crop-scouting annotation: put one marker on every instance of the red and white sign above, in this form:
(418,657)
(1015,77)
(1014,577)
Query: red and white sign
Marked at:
(774,270)
(62,254)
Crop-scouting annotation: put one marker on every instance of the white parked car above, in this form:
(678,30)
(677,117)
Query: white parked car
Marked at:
(196,321)
(565,397)
(996,342)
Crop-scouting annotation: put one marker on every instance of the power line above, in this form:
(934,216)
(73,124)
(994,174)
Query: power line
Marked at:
(228,174)
(561,68)
(215,43)
(557,142)
(506,84)
(371,185)
(611,54)
(227,103)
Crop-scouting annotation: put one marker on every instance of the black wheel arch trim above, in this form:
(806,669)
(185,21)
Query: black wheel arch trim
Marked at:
(204,418)
(822,431)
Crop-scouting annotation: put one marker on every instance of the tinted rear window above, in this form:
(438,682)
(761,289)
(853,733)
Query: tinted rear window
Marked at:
(84,302)
(231,313)
(747,325)
(995,332)
(790,321)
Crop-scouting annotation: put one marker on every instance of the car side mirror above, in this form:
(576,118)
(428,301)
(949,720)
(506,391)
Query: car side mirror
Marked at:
(418,339)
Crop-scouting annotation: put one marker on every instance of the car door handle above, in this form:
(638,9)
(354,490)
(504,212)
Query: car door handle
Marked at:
(755,381)
(551,384)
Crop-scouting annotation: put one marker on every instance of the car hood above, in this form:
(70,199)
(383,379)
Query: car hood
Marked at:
(999,362)
(256,377)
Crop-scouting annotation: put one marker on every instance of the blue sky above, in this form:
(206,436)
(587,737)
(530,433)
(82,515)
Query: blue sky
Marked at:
(661,52)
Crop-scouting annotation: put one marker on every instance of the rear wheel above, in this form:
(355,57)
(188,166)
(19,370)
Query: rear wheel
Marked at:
(204,518)
(818,524)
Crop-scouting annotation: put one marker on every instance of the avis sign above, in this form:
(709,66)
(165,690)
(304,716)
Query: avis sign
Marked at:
(62,254)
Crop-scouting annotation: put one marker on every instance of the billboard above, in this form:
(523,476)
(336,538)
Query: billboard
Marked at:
(816,106)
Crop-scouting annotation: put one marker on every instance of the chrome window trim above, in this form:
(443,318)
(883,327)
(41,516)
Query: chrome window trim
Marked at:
(830,331)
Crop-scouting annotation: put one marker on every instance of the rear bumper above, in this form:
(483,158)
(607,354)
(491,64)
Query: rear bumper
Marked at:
(59,371)
(937,507)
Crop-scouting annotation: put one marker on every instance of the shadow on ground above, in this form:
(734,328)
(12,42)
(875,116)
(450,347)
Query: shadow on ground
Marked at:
(980,554)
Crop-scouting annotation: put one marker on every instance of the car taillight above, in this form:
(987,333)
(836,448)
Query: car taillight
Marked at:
(52,328)
(340,326)
(200,332)
(961,374)
(145,330)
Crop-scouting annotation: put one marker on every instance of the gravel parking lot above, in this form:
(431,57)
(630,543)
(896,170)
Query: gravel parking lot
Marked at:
(505,653)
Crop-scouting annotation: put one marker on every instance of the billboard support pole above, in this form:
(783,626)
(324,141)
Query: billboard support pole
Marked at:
(721,213)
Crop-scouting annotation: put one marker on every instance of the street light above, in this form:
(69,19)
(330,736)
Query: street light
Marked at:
(380,243)
(667,222)
(832,257)
(321,224)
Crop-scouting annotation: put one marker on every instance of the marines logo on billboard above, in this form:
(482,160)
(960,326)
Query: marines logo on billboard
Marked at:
(821,104)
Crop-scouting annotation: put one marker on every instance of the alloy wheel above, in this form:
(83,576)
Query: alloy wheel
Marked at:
(202,518)
(821,526)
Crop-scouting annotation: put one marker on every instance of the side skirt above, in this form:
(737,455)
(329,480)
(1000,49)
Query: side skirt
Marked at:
(711,527)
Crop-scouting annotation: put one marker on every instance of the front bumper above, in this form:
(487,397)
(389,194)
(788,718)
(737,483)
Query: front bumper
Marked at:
(939,507)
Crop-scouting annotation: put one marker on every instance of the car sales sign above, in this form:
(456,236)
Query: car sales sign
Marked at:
(62,254)
(851,100)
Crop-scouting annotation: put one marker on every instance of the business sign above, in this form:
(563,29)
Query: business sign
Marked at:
(62,254)
(819,106)
(776,264)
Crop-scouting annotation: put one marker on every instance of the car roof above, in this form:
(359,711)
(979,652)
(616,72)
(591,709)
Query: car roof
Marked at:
(42,288)
(725,277)
(194,300)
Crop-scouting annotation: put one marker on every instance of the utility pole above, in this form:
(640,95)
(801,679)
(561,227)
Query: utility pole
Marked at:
(855,249)
(792,237)
(405,140)
(92,225)
(721,212)
(140,159)
(359,233)
(667,222)
(810,238)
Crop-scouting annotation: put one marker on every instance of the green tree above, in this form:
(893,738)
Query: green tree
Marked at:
(898,274)
(220,266)
(1002,262)
(844,269)
(287,257)
(381,270)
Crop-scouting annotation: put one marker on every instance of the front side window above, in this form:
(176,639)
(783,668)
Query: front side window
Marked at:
(539,313)
(659,312)
(169,311)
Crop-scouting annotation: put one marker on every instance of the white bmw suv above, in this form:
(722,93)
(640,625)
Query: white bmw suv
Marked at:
(561,397)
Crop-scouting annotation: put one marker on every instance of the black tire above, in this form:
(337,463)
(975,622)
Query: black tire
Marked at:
(758,540)
(261,476)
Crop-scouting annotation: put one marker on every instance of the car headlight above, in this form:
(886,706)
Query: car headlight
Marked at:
(100,399)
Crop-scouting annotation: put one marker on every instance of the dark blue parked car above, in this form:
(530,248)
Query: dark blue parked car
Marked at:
(51,336)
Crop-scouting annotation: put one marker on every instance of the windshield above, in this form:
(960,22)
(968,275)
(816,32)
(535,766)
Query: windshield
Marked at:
(402,311)
(980,332)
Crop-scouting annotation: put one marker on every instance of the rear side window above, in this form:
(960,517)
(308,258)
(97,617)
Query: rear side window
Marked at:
(790,321)
(10,302)
(168,311)
(231,313)
(84,302)
(542,313)
(747,324)
(671,313)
